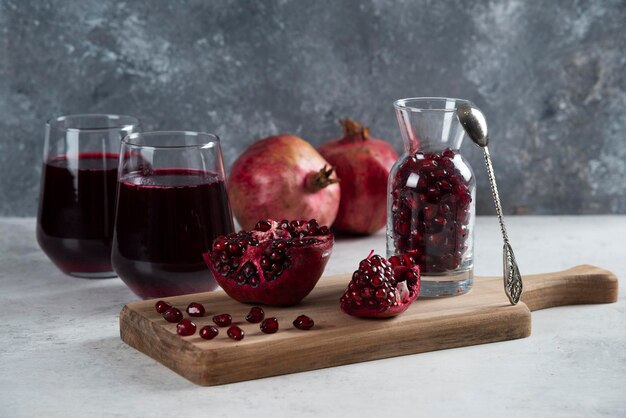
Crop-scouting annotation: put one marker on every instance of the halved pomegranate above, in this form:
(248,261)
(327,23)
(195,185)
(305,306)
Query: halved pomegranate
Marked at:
(382,288)
(277,263)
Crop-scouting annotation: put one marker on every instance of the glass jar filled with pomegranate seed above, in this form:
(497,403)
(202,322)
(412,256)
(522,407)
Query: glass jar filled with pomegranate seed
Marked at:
(431,200)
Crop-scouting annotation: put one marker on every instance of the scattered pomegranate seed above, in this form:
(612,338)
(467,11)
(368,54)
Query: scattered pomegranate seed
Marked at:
(195,309)
(209,332)
(162,306)
(303,322)
(185,328)
(255,315)
(223,320)
(173,315)
(269,325)
(235,333)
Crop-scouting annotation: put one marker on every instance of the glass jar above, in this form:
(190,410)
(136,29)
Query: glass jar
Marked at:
(431,196)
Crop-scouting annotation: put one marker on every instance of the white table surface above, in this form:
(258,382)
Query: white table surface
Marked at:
(61,355)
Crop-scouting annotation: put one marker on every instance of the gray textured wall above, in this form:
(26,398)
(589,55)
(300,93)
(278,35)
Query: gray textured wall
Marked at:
(550,76)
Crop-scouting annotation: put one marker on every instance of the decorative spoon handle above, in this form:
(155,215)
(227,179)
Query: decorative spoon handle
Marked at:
(512,278)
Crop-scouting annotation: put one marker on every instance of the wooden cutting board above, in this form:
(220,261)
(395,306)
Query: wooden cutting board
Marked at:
(484,315)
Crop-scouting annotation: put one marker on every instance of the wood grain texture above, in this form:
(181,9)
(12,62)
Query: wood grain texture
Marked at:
(483,315)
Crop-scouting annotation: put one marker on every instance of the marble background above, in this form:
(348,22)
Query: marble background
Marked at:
(549,75)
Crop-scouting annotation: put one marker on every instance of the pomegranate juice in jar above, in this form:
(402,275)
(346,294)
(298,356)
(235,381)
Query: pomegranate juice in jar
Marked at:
(431,200)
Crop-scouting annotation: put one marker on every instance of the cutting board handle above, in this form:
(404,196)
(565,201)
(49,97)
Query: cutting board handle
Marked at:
(578,285)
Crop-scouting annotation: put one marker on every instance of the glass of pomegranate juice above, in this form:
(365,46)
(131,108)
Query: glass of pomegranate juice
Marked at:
(77,192)
(171,205)
(431,201)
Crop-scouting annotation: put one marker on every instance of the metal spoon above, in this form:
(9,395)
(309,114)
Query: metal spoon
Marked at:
(474,123)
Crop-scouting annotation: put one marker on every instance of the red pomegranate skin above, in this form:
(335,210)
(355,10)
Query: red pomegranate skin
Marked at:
(362,164)
(275,179)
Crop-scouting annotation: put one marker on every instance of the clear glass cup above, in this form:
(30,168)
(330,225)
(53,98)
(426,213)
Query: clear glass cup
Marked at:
(431,199)
(77,191)
(171,204)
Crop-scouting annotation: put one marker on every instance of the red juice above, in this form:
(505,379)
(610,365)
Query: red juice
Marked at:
(76,214)
(165,222)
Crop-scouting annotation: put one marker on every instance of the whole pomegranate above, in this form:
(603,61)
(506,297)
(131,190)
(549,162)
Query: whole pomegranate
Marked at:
(283,177)
(382,288)
(362,164)
(276,263)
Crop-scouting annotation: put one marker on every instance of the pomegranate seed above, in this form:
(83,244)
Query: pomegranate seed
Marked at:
(395,260)
(173,315)
(209,332)
(465,199)
(269,325)
(263,226)
(403,228)
(162,306)
(276,255)
(255,315)
(303,322)
(429,164)
(223,320)
(410,276)
(448,153)
(444,184)
(185,328)
(195,309)
(429,211)
(235,333)
(235,249)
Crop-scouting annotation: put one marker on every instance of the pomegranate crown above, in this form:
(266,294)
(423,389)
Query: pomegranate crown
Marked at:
(352,128)
(316,181)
